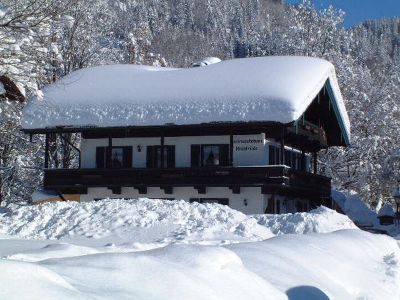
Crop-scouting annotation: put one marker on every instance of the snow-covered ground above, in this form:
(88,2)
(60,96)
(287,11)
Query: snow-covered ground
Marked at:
(153,249)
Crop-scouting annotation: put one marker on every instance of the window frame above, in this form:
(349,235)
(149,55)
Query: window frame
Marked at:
(293,157)
(200,159)
(127,157)
(169,157)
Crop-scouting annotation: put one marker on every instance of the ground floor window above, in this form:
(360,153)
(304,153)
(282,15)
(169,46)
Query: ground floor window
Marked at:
(224,201)
(114,157)
(301,206)
(210,155)
(287,205)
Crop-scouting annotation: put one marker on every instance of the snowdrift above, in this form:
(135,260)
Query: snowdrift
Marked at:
(149,220)
(320,220)
(354,207)
(158,249)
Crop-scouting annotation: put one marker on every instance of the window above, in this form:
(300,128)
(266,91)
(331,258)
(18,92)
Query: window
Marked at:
(288,158)
(293,159)
(274,155)
(116,157)
(210,155)
(153,159)
(223,201)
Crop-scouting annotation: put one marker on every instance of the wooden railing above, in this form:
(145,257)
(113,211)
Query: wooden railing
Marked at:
(78,180)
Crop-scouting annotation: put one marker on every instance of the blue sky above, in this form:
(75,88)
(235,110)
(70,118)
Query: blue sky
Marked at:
(360,10)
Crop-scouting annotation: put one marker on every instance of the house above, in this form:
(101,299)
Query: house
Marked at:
(386,214)
(243,132)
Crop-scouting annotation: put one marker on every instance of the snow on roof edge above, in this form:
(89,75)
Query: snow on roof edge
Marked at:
(330,82)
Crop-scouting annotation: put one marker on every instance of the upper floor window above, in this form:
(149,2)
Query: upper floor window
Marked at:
(153,159)
(210,155)
(274,155)
(114,157)
(293,159)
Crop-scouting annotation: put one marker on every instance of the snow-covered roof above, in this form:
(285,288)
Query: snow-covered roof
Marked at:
(276,88)
(386,210)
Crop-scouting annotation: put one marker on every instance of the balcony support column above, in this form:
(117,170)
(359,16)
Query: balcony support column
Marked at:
(315,162)
(109,151)
(282,162)
(46,152)
(162,150)
(231,150)
(303,161)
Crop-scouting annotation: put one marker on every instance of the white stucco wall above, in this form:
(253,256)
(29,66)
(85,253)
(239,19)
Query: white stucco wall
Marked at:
(248,150)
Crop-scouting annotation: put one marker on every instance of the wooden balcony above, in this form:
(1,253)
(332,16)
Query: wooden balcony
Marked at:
(271,179)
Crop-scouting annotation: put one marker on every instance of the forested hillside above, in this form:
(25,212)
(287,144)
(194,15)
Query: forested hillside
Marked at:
(43,40)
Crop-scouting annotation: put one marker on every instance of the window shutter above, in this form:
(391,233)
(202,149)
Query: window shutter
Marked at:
(127,157)
(100,163)
(149,157)
(171,157)
(278,156)
(195,155)
(224,155)
(271,155)
(303,162)
(288,158)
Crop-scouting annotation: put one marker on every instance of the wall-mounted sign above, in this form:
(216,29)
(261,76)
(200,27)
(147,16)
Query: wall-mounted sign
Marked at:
(249,150)
(247,144)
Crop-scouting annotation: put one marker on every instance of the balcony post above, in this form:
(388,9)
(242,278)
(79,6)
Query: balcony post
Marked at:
(46,152)
(162,150)
(283,147)
(303,161)
(109,151)
(231,150)
(315,162)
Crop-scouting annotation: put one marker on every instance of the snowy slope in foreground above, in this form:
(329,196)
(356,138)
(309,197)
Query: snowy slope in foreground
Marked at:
(151,249)
(349,264)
